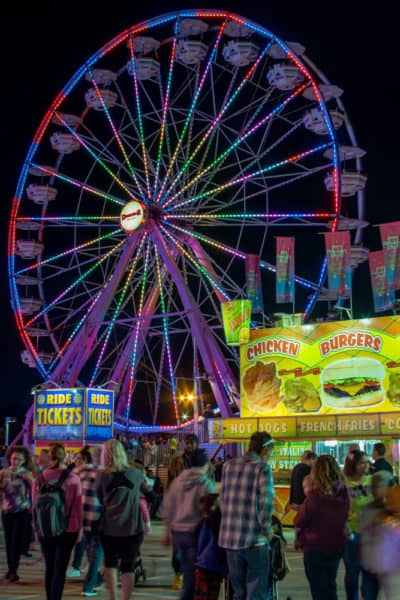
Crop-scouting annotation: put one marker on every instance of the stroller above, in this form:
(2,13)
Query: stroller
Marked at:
(140,571)
(279,567)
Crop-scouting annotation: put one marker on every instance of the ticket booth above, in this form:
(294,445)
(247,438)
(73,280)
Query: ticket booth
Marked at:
(74,416)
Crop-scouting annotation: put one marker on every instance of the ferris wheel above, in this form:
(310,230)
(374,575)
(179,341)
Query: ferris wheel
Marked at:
(184,144)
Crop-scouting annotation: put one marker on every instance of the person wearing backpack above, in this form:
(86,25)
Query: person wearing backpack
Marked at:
(57,510)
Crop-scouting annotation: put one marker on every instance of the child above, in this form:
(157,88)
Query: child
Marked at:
(211,565)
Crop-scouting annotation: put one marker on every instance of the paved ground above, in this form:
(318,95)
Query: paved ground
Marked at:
(156,559)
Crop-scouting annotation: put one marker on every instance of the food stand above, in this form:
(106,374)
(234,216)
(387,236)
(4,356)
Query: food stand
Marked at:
(322,385)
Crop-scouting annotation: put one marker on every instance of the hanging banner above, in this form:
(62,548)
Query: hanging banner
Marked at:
(236,317)
(284,270)
(383,298)
(253,283)
(59,414)
(338,252)
(390,237)
(99,415)
(327,369)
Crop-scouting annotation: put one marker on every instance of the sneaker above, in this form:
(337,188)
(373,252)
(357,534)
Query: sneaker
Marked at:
(13,577)
(27,554)
(74,573)
(177,582)
(7,575)
(89,594)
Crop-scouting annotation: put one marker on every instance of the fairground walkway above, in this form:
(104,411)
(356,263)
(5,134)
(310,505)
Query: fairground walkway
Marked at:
(156,560)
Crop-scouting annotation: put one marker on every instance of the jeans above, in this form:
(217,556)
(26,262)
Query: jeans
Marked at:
(186,544)
(249,573)
(79,551)
(15,526)
(352,567)
(94,551)
(369,585)
(321,569)
(57,551)
(176,560)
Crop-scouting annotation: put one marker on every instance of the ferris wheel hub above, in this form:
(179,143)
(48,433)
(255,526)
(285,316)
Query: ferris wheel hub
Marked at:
(133,215)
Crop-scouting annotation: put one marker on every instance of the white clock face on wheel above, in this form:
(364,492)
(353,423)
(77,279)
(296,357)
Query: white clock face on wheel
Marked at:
(132,216)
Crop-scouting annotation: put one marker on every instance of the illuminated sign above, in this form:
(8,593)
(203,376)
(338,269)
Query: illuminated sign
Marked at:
(132,216)
(333,368)
(59,414)
(99,415)
(73,414)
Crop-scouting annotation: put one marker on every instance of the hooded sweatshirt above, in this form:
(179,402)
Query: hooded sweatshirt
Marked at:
(322,520)
(180,508)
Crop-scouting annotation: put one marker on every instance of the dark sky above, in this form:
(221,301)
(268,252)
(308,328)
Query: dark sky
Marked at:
(45,43)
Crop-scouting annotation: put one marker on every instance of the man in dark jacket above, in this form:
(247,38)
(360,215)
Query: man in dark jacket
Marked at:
(380,463)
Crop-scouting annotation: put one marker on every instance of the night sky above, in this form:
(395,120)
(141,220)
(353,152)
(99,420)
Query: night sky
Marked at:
(43,45)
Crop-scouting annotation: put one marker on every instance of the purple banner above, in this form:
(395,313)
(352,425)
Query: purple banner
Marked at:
(383,298)
(338,253)
(284,269)
(390,237)
(253,283)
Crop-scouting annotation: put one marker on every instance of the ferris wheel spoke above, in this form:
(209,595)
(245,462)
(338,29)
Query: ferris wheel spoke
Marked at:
(249,176)
(228,100)
(165,107)
(93,154)
(115,131)
(139,116)
(117,309)
(240,139)
(191,110)
(166,335)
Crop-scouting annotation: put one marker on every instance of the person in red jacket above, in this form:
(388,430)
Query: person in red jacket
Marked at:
(322,527)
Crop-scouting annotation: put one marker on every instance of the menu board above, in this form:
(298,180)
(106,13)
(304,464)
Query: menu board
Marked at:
(331,368)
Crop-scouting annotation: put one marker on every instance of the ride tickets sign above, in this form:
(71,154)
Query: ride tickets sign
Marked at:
(73,414)
(332,368)
(99,415)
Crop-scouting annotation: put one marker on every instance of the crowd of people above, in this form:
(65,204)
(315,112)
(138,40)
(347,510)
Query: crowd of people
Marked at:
(217,516)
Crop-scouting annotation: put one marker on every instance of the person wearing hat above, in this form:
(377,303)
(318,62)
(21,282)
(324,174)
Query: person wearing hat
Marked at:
(247,495)
(181,513)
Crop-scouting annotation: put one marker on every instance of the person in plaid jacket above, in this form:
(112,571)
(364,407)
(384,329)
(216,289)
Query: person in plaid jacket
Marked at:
(246,502)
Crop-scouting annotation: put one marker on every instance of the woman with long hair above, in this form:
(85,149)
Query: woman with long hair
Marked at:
(16,484)
(122,527)
(322,527)
(358,483)
(57,548)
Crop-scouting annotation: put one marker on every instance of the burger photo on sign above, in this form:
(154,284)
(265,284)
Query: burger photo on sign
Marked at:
(352,383)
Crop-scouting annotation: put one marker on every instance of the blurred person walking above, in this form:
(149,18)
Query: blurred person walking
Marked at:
(300,471)
(246,503)
(57,549)
(119,491)
(358,483)
(321,522)
(380,484)
(16,484)
(182,515)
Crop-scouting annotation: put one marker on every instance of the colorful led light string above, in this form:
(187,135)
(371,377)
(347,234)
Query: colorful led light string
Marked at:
(198,266)
(42,263)
(137,327)
(76,183)
(139,115)
(93,154)
(117,308)
(269,215)
(248,176)
(235,144)
(75,283)
(165,102)
(115,133)
(166,336)
(191,110)
(234,252)
(212,127)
